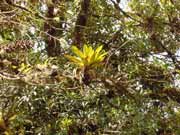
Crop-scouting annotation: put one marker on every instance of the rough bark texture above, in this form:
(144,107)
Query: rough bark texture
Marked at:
(81,23)
(53,45)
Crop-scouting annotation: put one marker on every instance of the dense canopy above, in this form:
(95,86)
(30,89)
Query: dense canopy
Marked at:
(90,67)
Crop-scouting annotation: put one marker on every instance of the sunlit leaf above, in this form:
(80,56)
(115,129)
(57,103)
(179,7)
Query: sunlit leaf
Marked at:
(77,51)
(89,57)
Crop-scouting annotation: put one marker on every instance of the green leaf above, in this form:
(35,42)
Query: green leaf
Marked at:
(74,59)
(85,50)
(89,57)
(77,51)
(99,49)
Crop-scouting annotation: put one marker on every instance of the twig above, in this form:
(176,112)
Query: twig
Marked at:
(112,52)
(9,76)
(116,5)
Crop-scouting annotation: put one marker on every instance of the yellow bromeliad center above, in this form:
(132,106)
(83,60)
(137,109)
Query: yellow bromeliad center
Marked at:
(88,57)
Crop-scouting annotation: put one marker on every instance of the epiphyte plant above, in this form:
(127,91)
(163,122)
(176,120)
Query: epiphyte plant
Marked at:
(88,57)
(87,60)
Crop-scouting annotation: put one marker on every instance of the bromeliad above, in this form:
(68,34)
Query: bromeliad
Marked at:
(87,59)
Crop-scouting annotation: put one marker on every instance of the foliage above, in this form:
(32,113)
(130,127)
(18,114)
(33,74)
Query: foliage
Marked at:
(125,74)
(88,58)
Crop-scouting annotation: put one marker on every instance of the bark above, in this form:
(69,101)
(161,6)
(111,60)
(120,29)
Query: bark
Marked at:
(53,46)
(81,23)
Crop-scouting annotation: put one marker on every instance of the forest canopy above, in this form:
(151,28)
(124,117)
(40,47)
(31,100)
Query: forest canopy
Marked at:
(90,67)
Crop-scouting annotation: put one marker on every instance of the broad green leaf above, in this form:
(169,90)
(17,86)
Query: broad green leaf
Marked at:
(89,57)
(102,55)
(99,49)
(77,51)
(74,59)
(85,50)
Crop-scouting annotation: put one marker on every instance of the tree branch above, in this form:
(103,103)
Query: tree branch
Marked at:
(81,23)
(116,5)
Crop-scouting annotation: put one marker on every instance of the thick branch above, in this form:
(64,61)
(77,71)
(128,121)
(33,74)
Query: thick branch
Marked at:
(81,23)
(53,47)
(170,54)
(17,6)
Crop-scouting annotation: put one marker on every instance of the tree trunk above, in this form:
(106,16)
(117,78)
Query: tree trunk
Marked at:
(81,23)
(52,44)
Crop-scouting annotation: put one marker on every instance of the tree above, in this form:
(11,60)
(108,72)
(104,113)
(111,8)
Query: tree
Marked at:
(123,77)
